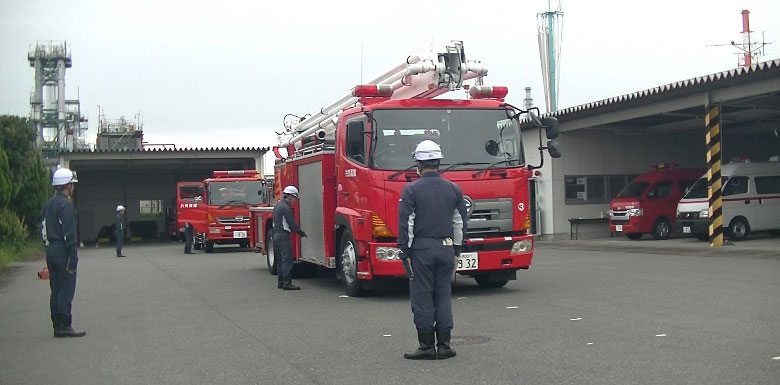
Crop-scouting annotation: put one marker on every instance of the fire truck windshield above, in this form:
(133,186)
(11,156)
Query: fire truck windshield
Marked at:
(236,193)
(469,139)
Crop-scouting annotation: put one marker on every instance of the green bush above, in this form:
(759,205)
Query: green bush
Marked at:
(13,231)
(30,248)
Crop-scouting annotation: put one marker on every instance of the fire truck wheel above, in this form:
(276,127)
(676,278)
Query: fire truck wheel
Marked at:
(661,229)
(634,236)
(484,281)
(270,260)
(347,266)
(703,237)
(209,247)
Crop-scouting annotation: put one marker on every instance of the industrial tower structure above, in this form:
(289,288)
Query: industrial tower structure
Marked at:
(117,134)
(58,122)
(549,27)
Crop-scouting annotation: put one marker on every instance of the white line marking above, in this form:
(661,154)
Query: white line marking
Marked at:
(343,296)
(776,358)
(590,343)
(511,307)
(576,319)
(387,335)
(461,297)
(661,335)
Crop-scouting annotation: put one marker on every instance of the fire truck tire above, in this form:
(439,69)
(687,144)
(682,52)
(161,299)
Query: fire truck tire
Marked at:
(347,266)
(634,236)
(209,247)
(661,229)
(270,260)
(484,281)
(703,237)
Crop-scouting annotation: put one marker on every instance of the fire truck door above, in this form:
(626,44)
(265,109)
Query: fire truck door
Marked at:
(310,212)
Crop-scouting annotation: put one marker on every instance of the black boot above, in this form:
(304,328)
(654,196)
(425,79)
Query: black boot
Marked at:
(443,350)
(426,350)
(119,254)
(66,330)
(289,286)
(55,321)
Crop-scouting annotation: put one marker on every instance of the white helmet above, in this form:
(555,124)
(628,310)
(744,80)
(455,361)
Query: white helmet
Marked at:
(291,190)
(62,177)
(427,150)
(120,208)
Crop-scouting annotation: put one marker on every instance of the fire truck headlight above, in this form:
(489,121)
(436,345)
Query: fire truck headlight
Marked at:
(522,246)
(704,213)
(387,253)
(635,212)
(214,230)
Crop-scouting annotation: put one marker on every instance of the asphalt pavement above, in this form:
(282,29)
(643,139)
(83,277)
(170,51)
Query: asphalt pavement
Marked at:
(604,316)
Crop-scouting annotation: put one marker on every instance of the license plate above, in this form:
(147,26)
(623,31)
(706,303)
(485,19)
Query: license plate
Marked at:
(468,261)
(239,234)
(686,229)
(618,227)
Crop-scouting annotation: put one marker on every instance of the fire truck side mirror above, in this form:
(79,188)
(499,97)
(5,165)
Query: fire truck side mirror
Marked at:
(354,132)
(550,125)
(554,148)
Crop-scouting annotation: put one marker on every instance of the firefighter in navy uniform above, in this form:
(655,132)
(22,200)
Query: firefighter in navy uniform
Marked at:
(431,229)
(58,231)
(119,230)
(284,224)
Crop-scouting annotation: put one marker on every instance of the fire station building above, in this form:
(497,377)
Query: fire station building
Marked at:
(607,142)
(144,181)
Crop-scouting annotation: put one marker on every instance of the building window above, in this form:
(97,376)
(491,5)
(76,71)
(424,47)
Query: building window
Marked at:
(151,207)
(594,188)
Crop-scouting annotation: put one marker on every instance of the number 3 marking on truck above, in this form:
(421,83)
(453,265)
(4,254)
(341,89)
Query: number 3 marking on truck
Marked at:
(521,206)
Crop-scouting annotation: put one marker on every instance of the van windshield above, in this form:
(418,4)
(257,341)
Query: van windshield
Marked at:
(633,190)
(699,189)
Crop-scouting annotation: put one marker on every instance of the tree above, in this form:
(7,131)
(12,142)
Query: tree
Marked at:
(25,179)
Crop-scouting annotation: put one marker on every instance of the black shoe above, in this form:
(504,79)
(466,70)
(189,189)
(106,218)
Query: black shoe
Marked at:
(443,350)
(279,285)
(290,286)
(69,332)
(426,350)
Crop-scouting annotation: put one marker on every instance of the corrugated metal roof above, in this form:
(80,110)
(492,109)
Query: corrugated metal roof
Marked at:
(717,80)
(184,149)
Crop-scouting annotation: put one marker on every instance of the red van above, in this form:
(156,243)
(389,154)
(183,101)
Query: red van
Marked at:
(648,204)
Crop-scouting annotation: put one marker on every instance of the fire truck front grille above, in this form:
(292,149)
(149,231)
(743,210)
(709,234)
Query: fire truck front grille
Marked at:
(490,217)
(689,215)
(232,220)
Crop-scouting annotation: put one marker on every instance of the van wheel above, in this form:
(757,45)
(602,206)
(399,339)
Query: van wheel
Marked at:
(634,236)
(270,258)
(661,229)
(347,266)
(738,229)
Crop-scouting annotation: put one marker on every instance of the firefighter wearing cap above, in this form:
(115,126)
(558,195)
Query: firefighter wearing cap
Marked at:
(431,228)
(284,224)
(119,230)
(58,232)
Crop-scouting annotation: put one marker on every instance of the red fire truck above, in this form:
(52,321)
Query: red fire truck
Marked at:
(218,208)
(351,160)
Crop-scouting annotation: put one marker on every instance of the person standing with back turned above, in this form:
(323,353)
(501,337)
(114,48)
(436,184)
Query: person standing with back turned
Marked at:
(284,224)
(58,232)
(431,228)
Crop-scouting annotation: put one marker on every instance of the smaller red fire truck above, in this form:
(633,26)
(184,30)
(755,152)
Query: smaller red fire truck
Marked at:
(217,208)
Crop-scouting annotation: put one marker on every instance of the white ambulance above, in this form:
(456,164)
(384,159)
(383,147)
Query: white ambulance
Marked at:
(751,201)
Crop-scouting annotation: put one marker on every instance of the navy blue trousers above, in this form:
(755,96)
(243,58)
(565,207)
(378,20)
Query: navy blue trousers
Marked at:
(62,262)
(431,289)
(283,255)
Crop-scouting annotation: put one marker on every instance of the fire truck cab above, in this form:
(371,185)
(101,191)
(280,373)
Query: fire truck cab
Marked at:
(218,208)
(648,204)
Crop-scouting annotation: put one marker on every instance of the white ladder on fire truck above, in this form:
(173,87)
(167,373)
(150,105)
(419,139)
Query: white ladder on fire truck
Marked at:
(426,74)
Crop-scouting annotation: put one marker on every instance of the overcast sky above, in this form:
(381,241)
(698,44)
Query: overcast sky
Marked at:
(224,73)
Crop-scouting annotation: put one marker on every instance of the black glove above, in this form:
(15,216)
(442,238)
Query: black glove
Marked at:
(302,234)
(407,262)
(404,253)
(458,249)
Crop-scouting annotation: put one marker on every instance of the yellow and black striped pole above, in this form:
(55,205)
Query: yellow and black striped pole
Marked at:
(712,121)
